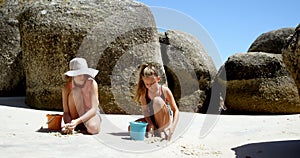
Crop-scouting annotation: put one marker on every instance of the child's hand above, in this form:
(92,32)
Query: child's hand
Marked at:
(150,130)
(72,125)
(169,136)
(65,129)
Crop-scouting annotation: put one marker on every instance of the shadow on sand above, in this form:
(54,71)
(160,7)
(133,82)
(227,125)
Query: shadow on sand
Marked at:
(276,149)
(120,134)
(46,130)
(18,102)
(123,135)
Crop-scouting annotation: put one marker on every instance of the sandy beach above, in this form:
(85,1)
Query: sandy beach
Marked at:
(197,135)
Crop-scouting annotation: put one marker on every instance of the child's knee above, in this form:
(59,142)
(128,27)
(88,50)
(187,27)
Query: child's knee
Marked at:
(93,128)
(158,103)
(158,100)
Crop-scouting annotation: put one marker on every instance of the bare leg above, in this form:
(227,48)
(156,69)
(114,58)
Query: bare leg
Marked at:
(93,125)
(161,114)
(78,101)
(72,107)
(77,109)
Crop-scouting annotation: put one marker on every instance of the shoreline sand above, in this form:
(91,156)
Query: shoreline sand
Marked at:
(228,136)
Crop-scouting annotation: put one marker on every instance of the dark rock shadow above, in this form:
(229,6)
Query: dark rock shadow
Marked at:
(276,149)
(18,102)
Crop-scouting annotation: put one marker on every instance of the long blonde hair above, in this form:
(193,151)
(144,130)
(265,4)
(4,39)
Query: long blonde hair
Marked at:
(146,70)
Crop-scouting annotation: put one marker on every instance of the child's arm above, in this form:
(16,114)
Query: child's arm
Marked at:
(146,113)
(175,110)
(66,113)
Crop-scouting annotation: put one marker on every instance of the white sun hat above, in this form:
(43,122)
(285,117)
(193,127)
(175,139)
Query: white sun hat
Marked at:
(79,66)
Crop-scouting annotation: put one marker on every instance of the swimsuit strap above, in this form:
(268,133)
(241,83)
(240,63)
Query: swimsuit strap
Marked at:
(162,94)
(148,100)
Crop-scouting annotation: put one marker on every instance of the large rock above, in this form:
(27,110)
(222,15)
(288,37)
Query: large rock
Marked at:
(188,67)
(291,56)
(114,36)
(272,41)
(258,82)
(120,44)
(12,78)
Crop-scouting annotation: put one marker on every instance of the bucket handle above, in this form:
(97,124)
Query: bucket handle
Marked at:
(50,119)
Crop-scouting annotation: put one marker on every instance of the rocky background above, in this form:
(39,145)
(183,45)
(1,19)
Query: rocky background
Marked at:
(12,77)
(291,55)
(39,38)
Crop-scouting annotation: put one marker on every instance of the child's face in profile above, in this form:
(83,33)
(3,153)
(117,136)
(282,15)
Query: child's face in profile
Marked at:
(151,82)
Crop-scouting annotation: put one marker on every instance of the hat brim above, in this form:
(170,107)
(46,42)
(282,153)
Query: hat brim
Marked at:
(87,71)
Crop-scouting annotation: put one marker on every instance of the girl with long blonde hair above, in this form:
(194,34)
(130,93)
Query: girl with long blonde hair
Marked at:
(158,104)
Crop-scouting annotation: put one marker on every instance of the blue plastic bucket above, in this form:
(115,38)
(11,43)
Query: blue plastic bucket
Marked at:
(138,130)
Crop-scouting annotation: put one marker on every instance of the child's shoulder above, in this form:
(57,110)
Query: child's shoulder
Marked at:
(91,81)
(67,85)
(164,85)
(165,88)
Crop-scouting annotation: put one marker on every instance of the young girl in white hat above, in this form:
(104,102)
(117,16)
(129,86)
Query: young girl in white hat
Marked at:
(80,99)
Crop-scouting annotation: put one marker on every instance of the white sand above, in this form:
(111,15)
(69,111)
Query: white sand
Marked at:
(224,136)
